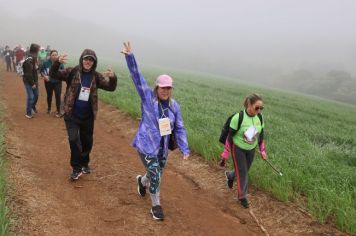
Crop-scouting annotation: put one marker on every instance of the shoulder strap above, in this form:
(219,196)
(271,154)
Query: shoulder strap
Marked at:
(241,117)
(260,117)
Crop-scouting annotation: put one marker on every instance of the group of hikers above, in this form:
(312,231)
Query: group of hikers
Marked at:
(161,127)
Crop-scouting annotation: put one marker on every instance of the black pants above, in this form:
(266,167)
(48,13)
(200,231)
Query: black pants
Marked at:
(8,66)
(242,162)
(80,137)
(57,88)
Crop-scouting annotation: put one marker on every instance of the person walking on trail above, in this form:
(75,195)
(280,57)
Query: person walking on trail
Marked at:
(161,117)
(30,79)
(52,84)
(81,105)
(7,56)
(243,141)
(42,56)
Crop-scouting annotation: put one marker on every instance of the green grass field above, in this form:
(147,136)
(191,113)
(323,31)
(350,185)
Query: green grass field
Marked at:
(3,208)
(310,139)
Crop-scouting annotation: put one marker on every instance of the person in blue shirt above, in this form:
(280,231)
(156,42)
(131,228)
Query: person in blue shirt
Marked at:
(161,121)
(52,84)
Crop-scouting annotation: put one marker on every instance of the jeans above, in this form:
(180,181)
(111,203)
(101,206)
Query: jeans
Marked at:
(32,98)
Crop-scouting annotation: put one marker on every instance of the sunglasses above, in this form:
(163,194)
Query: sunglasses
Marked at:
(259,108)
(88,59)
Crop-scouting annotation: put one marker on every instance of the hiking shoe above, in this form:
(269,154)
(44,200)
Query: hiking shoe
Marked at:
(157,212)
(29,116)
(230,183)
(244,203)
(86,170)
(140,188)
(75,174)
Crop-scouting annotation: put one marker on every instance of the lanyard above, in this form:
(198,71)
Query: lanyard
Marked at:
(162,110)
(80,79)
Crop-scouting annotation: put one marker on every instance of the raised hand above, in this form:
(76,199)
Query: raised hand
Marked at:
(108,73)
(127,49)
(62,59)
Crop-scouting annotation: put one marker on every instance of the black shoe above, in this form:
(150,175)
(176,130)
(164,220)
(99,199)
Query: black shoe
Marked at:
(86,170)
(244,203)
(230,183)
(140,188)
(75,174)
(157,212)
(34,110)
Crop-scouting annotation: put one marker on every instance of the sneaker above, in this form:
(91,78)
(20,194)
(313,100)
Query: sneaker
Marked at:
(34,110)
(29,116)
(157,212)
(244,203)
(75,174)
(230,183)
(86,170)
(140,188)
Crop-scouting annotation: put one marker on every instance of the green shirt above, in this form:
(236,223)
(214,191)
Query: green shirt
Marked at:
(42,56)
(239,138)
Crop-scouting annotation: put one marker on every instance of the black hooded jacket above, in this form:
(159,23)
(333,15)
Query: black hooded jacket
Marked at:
(72,77)
(30,66)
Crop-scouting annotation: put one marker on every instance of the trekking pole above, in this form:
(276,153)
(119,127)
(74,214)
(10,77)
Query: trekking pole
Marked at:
(274,168)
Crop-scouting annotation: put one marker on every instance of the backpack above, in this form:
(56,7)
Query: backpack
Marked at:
(226,127)
(19,66)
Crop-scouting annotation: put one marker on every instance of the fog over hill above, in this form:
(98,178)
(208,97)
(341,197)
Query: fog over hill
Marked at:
(306,46)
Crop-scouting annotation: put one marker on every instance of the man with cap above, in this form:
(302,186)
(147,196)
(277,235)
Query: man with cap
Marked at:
(161,122)
(81,105)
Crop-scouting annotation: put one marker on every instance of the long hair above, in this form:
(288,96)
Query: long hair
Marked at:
(156,95)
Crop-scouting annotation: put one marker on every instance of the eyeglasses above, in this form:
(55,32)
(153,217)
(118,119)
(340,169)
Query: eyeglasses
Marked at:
(88,59)
(259,108)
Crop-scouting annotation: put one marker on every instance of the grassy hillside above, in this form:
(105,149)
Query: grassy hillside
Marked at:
(3,209)
(310,139)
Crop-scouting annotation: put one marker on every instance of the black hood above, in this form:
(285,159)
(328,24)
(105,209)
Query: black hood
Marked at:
(34,48)
(91,53)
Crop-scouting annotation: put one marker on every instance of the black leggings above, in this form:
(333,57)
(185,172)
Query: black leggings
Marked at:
(57,88)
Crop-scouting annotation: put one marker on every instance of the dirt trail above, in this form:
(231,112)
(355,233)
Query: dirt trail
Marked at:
(194,195)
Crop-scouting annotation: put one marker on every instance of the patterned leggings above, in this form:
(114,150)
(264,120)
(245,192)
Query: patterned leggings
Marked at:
(154,168)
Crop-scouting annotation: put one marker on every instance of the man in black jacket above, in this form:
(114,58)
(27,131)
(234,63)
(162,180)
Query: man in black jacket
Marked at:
(30,79)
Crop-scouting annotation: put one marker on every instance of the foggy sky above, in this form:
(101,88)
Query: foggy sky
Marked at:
(213,35)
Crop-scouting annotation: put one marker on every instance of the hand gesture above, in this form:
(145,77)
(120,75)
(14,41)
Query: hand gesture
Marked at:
(264,155)
(222,163)
(46,78)
(62,59)
(127,49)
(108,73)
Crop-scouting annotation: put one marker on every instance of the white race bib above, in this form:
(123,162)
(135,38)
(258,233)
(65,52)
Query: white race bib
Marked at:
(84,94)
(164,126)
(250,133)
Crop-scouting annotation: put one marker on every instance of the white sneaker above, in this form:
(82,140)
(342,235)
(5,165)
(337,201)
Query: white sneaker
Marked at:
(28,116)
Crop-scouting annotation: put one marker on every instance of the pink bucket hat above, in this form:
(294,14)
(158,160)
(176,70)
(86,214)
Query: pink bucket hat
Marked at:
(164,81)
